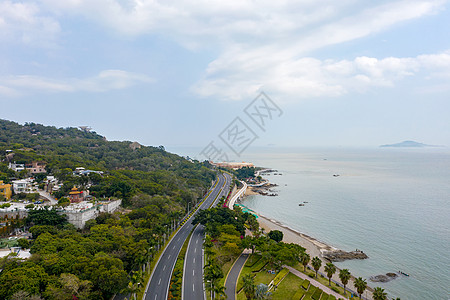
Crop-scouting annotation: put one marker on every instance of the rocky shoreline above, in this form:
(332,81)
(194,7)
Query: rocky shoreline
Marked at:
(340,255)
(264,190)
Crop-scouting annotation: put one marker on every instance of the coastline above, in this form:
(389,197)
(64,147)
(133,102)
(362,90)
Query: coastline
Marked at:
(290,235)
(313,246)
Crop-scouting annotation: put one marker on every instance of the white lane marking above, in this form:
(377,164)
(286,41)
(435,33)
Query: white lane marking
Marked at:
(173,247)
(193,289)
(169,255)
(193,272)
(194,260)
(164,267)
(159,282)
(156,295)
(196,241)
(178,239)
(195,250)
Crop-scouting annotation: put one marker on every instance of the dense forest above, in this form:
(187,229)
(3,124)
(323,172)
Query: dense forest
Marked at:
(105,257)
(146,170)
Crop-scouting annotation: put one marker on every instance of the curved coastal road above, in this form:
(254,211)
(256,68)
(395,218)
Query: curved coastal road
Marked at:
(158,285)
(193,261)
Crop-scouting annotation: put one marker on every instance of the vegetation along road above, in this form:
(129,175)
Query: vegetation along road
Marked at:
(158,285)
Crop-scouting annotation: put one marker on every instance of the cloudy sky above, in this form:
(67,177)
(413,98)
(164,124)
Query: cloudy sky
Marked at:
(176,73)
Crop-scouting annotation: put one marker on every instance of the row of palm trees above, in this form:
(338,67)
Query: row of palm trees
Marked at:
(344,275)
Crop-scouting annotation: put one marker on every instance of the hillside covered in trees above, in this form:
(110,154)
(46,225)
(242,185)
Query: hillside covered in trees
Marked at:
(147,170)
(107,256)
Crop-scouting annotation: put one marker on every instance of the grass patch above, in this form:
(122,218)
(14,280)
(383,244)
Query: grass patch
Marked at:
(324,281)
(259,266)
(252,260)
(287,288)
(316,295)
(264,277)
(305,284)
(280,276)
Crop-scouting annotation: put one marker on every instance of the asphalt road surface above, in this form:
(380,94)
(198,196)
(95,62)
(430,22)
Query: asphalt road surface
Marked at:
(158,285)
(193,263)
(230,284)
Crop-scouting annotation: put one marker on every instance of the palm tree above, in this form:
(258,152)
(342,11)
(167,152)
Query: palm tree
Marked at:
(344,276)
(249,286)
(379,294)
(316,263)
(219,290)
(330,269)
(360,285)
(262,291)
(304,259)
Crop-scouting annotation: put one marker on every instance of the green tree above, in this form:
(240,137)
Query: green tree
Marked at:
(68,287)
(262,292)
(379,294)
(276,235)
(249,286)
(344,276)
(316,263)
(212,274)
(45,217)
(63,201)
(330,269)
(304,259)
(28,277)
(360,285)
(23,243)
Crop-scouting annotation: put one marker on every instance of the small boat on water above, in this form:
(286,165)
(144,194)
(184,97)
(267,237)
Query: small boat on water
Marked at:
(336,175)
(301,204)
(403,273)
(305,202)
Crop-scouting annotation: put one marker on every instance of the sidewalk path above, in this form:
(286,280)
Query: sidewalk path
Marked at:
(233,276)
(314,282)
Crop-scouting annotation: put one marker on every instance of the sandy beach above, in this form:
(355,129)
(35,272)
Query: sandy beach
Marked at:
(313,246)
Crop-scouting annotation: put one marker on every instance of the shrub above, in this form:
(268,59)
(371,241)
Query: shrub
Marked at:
(280,276)
(317,294)
(335,289)
(298,294)
(305,284)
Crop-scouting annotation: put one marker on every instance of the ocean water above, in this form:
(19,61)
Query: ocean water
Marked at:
(394,204)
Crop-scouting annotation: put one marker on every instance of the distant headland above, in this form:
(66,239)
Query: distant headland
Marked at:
(409,144)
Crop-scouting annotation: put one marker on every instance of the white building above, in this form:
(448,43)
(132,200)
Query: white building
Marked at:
(16,167)
(23,186)
(79,213)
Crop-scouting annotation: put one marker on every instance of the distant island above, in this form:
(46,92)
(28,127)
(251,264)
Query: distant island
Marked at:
(409,144)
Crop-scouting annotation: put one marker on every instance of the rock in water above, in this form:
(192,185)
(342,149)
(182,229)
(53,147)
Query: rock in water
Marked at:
(383,278)
(340,255)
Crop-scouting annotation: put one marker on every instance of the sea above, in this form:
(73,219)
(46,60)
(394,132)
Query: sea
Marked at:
(391,203)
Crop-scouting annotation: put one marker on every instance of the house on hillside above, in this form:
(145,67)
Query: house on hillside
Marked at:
(5,190)
(24,186)
(16,167)
(36,167)
(83,171)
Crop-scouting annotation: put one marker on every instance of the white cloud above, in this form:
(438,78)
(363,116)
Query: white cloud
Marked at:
(261,44)
(105,81)
(309,77)
(26,23)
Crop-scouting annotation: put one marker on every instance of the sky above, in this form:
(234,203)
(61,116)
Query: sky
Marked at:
(182,73)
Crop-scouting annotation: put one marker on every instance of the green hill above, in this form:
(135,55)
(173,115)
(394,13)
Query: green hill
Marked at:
(148,170)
